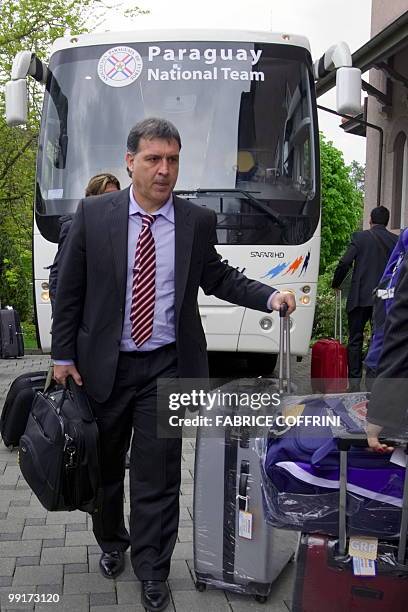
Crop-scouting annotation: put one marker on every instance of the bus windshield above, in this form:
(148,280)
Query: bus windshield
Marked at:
(246,115)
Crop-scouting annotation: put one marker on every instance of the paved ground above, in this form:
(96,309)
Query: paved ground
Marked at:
(56,553)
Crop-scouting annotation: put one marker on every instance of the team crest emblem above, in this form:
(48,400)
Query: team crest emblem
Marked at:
(120,66)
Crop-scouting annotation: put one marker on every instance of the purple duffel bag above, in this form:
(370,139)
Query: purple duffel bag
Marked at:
(301,474)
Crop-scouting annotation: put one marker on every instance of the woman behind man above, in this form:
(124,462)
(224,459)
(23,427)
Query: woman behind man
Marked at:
(102,183)
(98,184)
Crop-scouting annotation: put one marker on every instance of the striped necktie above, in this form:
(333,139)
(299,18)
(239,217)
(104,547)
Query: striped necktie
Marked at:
(144,283)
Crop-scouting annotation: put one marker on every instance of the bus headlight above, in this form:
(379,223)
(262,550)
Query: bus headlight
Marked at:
(45,286)
(305,299)
(266,323)
(45,296)
(306,289)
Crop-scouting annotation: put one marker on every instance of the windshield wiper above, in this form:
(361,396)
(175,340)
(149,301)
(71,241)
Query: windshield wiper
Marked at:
(61,105)
(248,194)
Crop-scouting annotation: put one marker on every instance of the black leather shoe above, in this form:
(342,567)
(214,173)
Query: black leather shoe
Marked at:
(155,595)
(112,564)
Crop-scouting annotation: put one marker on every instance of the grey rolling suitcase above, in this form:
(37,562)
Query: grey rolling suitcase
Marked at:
(11,337)
(234,548)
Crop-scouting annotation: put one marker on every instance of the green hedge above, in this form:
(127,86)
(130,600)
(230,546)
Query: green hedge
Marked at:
(29,335)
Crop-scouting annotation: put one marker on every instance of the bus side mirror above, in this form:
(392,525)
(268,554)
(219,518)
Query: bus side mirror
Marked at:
(348,90)
(16,102)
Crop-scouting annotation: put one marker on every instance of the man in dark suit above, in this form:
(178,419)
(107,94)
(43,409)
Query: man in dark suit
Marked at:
(125,315)
(368,253)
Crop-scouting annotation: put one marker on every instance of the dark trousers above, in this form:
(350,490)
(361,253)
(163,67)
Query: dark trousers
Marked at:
(155,465)
(370,375)
(357,320)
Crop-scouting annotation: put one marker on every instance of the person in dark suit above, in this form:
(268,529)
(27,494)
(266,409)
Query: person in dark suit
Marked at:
(125,315)
(368,253)
(387,408)
(98,184)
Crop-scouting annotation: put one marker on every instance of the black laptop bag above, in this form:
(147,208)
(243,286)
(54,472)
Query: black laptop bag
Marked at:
(59,450)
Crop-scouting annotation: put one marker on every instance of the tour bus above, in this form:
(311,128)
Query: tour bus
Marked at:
(245,106)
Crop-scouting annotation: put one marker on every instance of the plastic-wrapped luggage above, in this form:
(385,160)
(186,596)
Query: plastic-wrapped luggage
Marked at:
(234,547)
(301,473)
(325,580)
(366,576)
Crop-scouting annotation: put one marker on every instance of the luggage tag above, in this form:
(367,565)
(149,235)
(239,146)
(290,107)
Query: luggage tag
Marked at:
(363,551)
(363,567)
(399,457)
(245,520)
(367,567)
(363,547)
(293,410)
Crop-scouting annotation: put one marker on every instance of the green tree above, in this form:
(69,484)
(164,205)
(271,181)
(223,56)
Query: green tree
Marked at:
(342,203)
(31,25)
(342,208)
(357,175)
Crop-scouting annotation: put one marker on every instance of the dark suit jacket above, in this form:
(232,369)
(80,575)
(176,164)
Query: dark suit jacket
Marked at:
(52,281)
(90,301)
(388,404)
(369,259)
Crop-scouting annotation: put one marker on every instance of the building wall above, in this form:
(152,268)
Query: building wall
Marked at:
(385,12)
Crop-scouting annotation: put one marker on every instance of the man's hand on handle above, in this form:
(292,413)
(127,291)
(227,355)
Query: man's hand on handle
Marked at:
(284,297)
(61,373)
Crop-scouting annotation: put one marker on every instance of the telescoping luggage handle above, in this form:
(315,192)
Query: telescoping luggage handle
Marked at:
(284,350)
(338,318)
(344,445)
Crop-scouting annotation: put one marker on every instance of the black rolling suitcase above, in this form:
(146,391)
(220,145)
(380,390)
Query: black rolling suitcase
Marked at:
(18,404)
(59,450)
(11,337)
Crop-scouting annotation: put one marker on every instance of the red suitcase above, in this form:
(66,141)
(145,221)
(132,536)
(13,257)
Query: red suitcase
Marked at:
(325,581)
(329,371)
